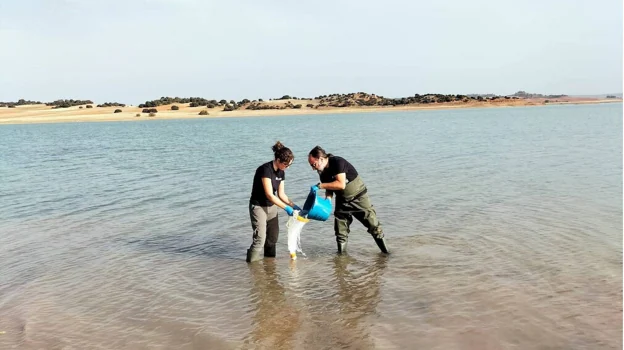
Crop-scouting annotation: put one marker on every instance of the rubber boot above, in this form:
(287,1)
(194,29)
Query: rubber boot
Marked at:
(381,243)
(253,255)
(270,252)
(342,247)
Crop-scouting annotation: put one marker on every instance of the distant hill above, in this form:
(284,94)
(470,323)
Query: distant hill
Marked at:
(524,94)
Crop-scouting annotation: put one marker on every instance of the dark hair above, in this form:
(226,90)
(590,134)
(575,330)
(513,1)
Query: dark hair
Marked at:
(282,153)
(318,152)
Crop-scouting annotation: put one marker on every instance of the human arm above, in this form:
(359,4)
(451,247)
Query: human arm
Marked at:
(329,194)
(268,191)
(281,193)
(338,184)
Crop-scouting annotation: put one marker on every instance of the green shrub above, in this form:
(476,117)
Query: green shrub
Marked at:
(152,114)
(111,104)
(175,108)
(67,103)
(117,111)
(89,106)
(197,101)
(204,112)
(137,115)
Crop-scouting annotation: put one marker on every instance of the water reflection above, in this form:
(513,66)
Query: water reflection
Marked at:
(359,294)
(344,319)
(275,318)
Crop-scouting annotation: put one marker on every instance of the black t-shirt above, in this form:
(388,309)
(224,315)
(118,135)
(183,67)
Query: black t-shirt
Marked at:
(335,166)
(258,197)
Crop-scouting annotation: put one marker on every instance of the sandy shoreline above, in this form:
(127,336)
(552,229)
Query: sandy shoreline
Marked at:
(34,114)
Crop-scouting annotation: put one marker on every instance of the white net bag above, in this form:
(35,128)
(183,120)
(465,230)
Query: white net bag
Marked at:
(295,225)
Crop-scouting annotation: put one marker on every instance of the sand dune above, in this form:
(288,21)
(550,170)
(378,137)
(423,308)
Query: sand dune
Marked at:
(45,114)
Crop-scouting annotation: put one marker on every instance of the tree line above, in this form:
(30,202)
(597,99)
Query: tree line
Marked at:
(20,102)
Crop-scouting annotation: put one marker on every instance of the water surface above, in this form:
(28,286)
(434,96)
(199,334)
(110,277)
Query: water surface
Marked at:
(505,227)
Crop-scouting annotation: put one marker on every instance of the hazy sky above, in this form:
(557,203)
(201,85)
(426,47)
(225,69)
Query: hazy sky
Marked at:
(130,51)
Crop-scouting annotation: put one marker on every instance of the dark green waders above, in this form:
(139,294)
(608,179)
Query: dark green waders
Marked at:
(352,202)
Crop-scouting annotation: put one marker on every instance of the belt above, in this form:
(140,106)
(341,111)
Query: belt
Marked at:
(356,196)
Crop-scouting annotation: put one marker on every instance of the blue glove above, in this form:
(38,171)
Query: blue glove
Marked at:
(314,188)
(289,210)
(296,207)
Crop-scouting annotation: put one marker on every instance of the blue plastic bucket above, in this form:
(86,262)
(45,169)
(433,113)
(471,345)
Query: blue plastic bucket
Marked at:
(316,207)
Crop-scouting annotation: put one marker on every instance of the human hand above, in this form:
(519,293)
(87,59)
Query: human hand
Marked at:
(289,210)
(296,207)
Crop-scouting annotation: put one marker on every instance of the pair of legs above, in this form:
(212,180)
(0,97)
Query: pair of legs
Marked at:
(362,209)
(265,225)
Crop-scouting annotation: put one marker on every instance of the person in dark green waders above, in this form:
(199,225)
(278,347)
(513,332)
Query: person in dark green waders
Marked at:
(339,177)
(267,194)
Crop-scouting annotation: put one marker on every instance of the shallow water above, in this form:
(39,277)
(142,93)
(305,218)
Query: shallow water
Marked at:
(505,227)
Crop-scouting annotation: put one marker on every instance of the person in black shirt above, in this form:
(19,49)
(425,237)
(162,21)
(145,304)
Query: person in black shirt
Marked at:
(339,177)
(267,193)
